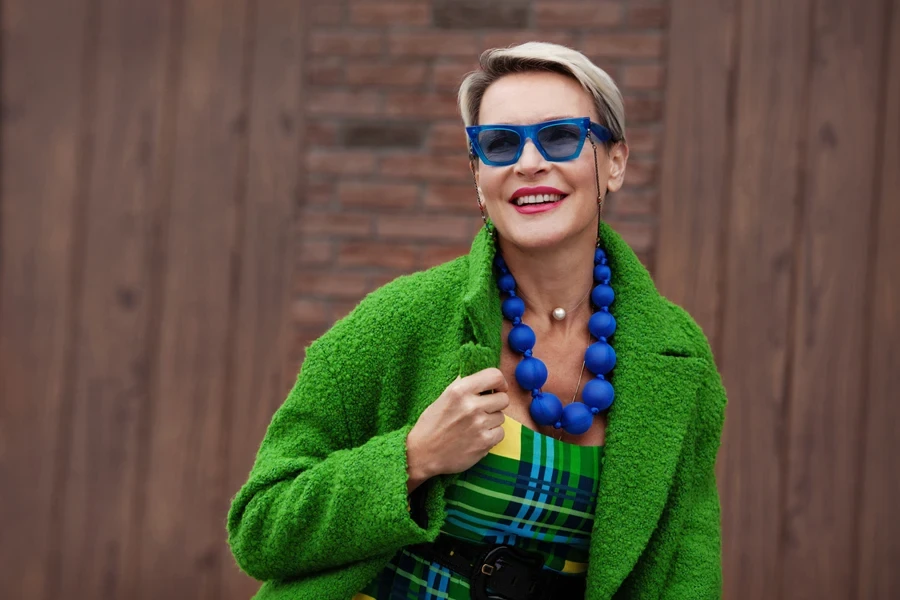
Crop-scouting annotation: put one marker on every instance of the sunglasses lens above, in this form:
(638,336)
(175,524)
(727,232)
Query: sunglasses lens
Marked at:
(560,141)
(499,145)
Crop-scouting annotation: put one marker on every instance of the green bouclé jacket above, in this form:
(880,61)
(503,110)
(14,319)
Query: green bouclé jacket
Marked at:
(325,507)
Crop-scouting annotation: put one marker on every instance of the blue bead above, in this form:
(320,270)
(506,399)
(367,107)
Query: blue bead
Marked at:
(531,373)
(513,307)
(506,282)
(546,409)
(602,324)
(577,418)
(602,273)
(521,338)
(600,358)
(599,255)
(499,262)
(598,394)
(602,295)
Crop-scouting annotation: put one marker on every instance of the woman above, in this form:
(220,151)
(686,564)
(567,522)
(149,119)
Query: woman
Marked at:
(532,420)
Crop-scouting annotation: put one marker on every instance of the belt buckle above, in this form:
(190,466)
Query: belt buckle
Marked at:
(504,558)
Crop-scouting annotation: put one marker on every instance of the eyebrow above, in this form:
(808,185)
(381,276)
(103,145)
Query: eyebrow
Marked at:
(544,120)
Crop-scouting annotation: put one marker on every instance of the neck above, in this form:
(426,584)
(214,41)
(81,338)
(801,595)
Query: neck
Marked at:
(549,278)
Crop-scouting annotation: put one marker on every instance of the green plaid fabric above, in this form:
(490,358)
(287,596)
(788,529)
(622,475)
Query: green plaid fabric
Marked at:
(530,491)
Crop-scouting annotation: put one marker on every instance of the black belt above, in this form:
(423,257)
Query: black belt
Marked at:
(501,572)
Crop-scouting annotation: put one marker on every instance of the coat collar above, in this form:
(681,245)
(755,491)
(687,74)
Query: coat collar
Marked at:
(656,380)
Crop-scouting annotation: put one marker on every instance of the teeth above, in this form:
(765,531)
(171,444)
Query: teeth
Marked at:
(538,199)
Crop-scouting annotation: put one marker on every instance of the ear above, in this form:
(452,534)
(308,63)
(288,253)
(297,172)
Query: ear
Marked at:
(618,158)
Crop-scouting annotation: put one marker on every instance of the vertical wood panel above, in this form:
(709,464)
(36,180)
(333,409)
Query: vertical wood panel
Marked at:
(186,501)
(845,98)
(43,62)
(261,330)
(696,157)
(769,129)
(110,391)
(879,531)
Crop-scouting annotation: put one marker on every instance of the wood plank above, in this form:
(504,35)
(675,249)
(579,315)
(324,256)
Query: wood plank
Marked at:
(829,338)
(42,181)
(769,109)
(879,531)
(262,326)
(110,392)
(696,157)
(183,533)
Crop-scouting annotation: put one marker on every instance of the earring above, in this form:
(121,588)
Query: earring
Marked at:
(597,177)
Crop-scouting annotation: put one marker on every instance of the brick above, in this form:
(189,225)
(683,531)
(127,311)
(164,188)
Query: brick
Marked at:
(336,224)
(319,192)
(326,12)
(640,172)
(346,44)
(433,43)
(365,73)
(378,195)
(307,312)
(642,109)
(448,137)
(420,105)
(624,45)
(340,162)
(578,15)
(332,284)
(384,279)
(312,252)
(429,168)
(370,13)
(629,203)
(342,308)
(437,255)
(452,197)
(504,39)
(647,15)
(378,254)
(448,75)
(383,135)
(349,104)
(643,139)
(322,133)
(638,234)
(325,70)
(418,227)
(472,14)
(642,77)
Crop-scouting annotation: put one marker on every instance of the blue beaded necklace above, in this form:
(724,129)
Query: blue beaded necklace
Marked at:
(600,358)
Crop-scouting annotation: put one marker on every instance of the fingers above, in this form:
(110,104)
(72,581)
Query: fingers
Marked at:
(486,380)
(493,403)
(494,419)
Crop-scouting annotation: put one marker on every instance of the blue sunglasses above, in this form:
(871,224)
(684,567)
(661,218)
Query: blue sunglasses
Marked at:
(557,141)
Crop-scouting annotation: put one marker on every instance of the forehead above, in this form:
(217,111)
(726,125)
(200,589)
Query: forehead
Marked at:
(523,98)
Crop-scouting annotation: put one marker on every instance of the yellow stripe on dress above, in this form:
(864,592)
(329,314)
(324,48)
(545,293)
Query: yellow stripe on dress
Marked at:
(574,567)
(511,444)
(362,597)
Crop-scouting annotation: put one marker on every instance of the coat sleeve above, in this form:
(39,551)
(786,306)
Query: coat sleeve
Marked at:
(696,570)
(313,500)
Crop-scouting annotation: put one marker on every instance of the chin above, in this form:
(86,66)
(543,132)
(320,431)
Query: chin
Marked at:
(537,235)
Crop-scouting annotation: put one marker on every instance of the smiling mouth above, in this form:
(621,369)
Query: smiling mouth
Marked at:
(538,199)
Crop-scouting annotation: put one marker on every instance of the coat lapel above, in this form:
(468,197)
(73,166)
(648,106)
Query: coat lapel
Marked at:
(656,380)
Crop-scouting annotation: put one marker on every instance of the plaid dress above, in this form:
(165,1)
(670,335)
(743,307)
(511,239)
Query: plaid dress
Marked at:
(531,491)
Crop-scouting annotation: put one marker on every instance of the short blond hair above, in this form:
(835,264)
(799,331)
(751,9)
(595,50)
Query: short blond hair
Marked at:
(542,56)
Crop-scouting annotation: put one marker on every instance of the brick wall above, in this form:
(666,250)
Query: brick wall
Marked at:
(389,190)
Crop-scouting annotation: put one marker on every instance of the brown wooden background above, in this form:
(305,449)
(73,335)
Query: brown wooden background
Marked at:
(152,182)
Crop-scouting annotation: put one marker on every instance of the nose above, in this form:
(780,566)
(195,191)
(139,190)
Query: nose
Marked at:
(531,162)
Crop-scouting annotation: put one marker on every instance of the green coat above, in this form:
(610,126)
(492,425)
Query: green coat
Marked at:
(325,507)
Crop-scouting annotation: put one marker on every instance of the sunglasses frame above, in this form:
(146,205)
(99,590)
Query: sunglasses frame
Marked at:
(530,132)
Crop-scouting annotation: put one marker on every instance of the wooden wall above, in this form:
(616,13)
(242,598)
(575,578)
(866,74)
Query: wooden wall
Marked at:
(150,168)
(778,231)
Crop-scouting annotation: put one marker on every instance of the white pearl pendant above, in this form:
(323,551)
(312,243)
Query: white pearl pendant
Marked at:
(559,314)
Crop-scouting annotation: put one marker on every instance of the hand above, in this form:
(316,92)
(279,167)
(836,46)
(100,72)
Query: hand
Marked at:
(459,428)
